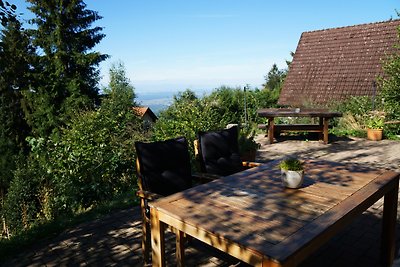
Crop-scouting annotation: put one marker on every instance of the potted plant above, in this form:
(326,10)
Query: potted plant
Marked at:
(375,123)
(292,172)
(247,145)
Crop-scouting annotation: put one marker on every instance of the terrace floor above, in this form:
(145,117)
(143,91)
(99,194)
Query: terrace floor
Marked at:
(114,240)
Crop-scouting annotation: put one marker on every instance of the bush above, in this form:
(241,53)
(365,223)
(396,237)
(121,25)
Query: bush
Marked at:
(354,120)
(88,162)
(22,205)
(186,116)
(390,90)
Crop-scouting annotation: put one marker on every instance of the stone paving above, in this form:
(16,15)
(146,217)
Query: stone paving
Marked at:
(114,240)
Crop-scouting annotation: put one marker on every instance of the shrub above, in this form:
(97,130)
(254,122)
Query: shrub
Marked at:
(390,90)
(22,204)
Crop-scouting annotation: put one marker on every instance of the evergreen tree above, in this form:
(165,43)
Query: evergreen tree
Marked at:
(120,93)
(15,53)
(7,12)
(68,67)
(275,77)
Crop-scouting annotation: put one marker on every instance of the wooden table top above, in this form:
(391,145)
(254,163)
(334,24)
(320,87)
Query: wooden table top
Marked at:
(253,210)
(302,112)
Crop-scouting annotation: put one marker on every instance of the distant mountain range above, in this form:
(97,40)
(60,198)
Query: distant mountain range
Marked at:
(158,101)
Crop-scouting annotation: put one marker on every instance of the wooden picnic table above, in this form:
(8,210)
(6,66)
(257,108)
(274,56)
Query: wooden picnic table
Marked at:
(324,116)
(251,216)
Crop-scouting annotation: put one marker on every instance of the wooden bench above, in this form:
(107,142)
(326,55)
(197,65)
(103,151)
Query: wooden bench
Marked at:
(278,128)
(322,127)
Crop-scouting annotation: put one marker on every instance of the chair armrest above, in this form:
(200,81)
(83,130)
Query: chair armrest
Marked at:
(250,164)
(205,177)
(148,195)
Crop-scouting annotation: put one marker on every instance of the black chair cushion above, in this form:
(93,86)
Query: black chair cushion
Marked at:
(164,166)
(220,151)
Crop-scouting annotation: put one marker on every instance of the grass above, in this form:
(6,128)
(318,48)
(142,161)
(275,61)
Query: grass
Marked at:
(9,248)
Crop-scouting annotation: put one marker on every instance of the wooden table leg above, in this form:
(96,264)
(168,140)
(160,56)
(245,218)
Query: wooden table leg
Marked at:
(157,239)
(271,130)
(388,239)
(326,124)
(180,248)
(321,124)
(146,236)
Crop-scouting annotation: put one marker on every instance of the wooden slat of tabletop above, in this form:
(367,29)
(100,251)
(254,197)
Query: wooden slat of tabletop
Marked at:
(291,112)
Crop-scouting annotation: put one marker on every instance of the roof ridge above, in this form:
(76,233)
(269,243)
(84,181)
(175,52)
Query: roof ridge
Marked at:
(357,25)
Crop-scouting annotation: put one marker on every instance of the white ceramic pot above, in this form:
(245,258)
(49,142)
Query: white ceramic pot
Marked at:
(292,179)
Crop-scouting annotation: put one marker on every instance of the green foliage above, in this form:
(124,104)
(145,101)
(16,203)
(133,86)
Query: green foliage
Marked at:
(186,116)
(246,140)
(22,203)
(390,89)
(66,72)
(89,162)
(15,52)
(9,248)
(376,120)
(275,77)
(228,104)
(291,164)
(354,120)
(189,114)
(7,13)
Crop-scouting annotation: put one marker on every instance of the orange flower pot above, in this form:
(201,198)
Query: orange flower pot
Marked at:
(374,134)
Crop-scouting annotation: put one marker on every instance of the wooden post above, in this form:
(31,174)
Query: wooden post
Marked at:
(326,124)
(157,240)
(321,124)
(388,239)
(271,130)
(146,237)
(180,248)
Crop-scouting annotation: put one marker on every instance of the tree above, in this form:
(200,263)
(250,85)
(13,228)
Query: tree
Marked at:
(67,69)
(390,91)
(7,12)
(15,54)
(186,116)
(120,93)
(275,77)
(90,161)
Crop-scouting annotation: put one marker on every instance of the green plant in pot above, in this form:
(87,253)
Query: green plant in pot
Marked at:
(375,123)
(292,172)
(247,145)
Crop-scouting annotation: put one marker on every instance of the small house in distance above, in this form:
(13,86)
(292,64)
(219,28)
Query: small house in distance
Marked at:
(334,64)
(147,115)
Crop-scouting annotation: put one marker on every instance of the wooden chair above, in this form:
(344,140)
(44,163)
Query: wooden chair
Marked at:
(163,169)
(218,152)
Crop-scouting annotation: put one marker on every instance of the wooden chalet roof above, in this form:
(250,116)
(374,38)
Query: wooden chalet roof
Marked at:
(142,111)
(334,64)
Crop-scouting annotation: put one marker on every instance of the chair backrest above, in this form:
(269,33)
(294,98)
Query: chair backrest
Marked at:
(219,151)
(164,166)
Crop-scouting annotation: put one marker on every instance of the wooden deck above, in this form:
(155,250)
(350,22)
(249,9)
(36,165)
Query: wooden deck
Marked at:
(115,239)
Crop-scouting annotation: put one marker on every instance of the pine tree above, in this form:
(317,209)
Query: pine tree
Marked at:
(7,12)
(67,70)
(15,53)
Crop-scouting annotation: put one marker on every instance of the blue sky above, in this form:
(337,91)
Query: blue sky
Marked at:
(172,45)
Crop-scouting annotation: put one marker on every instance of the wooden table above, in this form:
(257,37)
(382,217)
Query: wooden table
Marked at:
(322,128)
(251,216)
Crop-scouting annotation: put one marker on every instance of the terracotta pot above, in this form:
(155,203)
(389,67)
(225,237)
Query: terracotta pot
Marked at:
(374,134)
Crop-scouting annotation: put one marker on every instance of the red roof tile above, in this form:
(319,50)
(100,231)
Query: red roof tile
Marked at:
(334,64)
